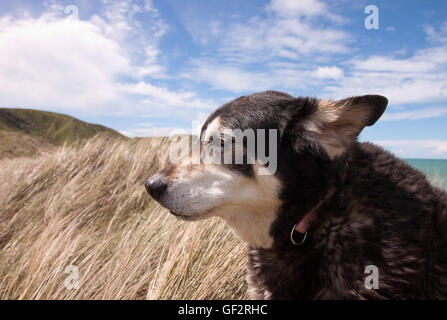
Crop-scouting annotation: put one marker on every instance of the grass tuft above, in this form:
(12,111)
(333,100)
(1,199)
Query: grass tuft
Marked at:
(86,206)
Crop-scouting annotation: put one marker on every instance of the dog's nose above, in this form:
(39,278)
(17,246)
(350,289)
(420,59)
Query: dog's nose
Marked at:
(156,185)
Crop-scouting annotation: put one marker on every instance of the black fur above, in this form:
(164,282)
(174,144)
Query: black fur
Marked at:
(383,212)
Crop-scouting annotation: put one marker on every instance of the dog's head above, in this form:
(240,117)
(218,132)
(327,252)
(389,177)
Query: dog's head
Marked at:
(259,153)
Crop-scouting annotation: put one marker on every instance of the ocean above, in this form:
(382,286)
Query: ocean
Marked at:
(436,170)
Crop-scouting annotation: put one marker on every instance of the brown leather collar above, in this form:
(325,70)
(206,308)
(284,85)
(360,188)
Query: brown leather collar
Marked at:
(302,226)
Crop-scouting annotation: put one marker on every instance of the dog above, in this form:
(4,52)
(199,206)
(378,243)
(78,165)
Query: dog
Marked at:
(334,219)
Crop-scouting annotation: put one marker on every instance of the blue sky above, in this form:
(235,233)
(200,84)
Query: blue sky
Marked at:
(153,67)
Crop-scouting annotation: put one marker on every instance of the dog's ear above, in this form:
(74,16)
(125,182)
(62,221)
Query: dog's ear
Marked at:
(336,124)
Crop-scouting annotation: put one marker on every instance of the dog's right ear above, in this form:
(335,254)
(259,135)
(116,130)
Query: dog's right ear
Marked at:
(335,125)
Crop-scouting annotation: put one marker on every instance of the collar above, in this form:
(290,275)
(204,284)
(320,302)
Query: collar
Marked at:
(301,228)
(298,235)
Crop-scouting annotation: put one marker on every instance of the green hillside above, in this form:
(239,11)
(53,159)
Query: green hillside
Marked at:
(53,127)
(26,133)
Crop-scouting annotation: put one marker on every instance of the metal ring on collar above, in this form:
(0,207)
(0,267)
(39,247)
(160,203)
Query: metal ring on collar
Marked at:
(293,240)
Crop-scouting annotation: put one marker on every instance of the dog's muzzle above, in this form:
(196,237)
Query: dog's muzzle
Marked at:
(156,186)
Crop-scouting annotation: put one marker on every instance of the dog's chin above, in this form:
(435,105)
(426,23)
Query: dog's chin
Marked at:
(194,217)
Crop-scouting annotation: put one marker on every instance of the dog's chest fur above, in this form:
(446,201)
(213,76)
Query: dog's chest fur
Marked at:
(388,216)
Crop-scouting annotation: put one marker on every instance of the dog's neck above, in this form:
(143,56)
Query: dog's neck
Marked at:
(305,222)
(253,226)
(306,213)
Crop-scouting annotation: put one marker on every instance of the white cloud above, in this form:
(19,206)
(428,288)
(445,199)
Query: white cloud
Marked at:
(417,148)
(286,48)
(229,78)
(303,8)
(155,132)
(150,129)
(60,63)
(381,63)
(159,96)
(249,56)
(329,73)
(437,36)
(420,78)
(63,64)
(288,29)
(426,113)
(280,76)
(298,8)
(279,37)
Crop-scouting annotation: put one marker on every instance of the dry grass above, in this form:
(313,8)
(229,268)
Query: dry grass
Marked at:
(438,180)
(87,207)
(16,144)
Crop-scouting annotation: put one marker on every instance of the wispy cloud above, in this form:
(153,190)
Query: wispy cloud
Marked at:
(437,35)
(150,129)
(329,73)
(426,113)
(271,50)
(154,132)
(419,78)
(288,29)
(280,76)
(417,148)
(160,97)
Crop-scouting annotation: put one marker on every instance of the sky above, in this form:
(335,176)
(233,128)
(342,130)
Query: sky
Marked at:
(156,67)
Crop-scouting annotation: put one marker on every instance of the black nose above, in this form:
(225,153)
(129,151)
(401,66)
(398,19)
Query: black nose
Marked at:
(156,185)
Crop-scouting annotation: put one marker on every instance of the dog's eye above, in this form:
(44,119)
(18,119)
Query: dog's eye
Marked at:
(220,140)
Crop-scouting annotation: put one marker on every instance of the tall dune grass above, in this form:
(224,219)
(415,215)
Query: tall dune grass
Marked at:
(88,208)
(437,180)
